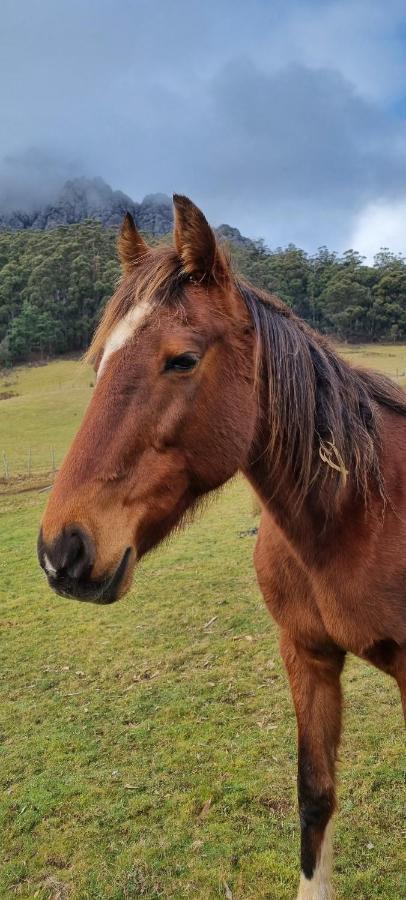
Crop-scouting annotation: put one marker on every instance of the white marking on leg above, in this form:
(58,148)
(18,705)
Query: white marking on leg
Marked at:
(123,331)
(49,568)
(319,887)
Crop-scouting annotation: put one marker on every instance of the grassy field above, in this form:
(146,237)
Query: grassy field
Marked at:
(148,748)
(46,404)
(45,409)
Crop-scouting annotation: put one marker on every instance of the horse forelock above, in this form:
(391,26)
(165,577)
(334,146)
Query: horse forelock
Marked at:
(123,331)
(156,278)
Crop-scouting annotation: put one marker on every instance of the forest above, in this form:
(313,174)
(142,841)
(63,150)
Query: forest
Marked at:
(55,283)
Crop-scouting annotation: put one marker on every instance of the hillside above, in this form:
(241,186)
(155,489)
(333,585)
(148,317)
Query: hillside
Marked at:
(55,282)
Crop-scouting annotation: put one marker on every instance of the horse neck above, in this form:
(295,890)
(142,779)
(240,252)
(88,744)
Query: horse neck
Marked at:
(311,529)
(299,527)
(315,459)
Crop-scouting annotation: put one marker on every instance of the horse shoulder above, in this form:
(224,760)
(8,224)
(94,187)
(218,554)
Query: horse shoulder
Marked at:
(286,586)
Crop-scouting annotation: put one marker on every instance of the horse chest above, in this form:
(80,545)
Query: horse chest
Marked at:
(287,589)
(314,607)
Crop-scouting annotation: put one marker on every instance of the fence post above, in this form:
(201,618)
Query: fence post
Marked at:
(5,461)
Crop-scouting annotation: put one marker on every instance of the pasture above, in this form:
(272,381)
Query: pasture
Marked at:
(148,749)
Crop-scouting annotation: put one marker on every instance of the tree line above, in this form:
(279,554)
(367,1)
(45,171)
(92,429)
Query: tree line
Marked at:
(54,285)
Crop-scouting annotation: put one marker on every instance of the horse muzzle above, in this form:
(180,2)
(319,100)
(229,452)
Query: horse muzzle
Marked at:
(68,562)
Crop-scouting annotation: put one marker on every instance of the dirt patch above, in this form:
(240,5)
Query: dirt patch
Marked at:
(56,890)
(280,806)
(5,395)
(20,484)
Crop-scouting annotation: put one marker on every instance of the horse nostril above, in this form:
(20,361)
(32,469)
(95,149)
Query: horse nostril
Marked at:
(71,555)
(76,561)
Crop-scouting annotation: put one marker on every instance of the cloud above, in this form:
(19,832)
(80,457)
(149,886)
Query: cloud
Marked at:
(363,40)
(276,117)
(33,177)
(381,224)
(293,155)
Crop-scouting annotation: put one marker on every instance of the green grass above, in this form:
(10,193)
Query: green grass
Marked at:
(147,753)
(45,412)
(388,358)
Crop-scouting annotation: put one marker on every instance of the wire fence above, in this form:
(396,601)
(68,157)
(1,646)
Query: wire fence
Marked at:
(26,465)
(31,463)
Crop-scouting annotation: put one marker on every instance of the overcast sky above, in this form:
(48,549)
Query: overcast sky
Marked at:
(286,119)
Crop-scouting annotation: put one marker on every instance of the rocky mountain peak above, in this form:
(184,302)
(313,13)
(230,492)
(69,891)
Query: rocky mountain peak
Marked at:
(92,198)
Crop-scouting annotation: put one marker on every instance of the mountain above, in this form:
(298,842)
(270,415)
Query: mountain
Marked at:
(91,198)
(228,233)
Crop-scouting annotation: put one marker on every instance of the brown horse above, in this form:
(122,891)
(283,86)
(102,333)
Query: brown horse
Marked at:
(199,376)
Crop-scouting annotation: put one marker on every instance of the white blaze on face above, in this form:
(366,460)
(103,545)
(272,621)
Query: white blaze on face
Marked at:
(123,331)
(319,887)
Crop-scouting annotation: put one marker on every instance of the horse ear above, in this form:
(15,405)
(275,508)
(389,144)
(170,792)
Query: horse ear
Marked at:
(131,246)
(195,242)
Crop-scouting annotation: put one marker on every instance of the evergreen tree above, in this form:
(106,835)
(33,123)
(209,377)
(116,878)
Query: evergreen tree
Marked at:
(54,285)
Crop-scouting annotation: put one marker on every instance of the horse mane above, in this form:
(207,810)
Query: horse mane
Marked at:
(324,414)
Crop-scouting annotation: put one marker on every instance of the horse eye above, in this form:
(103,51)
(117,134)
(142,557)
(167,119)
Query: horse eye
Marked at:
(183,363)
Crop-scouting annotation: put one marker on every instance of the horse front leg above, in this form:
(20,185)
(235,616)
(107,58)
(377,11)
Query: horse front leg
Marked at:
(315,684)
